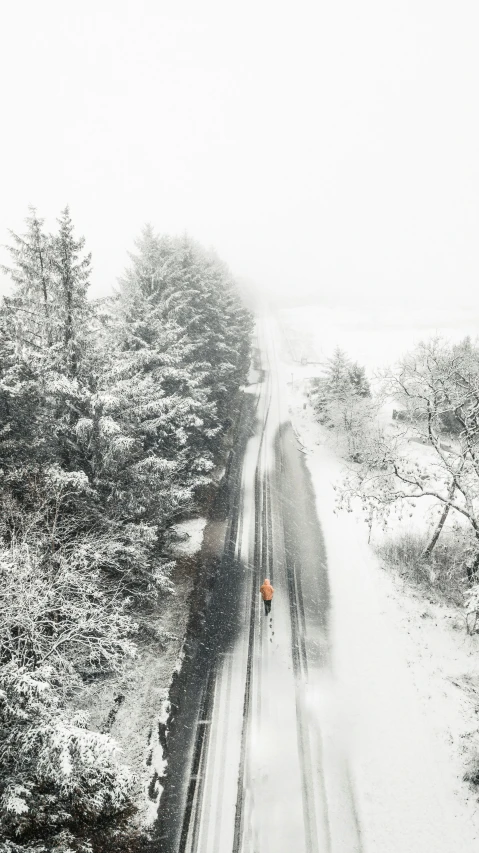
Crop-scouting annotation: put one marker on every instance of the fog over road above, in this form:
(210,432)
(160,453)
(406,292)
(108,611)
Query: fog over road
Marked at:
(254,764)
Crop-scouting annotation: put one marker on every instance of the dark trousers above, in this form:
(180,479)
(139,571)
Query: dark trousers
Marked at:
(267,607)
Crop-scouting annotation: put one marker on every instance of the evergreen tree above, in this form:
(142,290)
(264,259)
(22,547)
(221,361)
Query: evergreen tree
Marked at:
(71,269)
(359,381)
(192,289)
(29,309)
(145,272)
(337,374)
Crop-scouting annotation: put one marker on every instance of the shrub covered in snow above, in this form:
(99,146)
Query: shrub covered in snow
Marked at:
(443,572)
(55,771)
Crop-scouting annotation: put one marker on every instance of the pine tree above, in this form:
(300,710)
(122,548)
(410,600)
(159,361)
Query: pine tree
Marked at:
(200,295)
(195,291)
(359,381)
(154,367)
(337,373)
(144,274)
(30,306)
(71,270)
(46,338)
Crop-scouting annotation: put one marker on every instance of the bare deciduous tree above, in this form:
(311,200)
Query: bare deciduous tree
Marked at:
(437,386)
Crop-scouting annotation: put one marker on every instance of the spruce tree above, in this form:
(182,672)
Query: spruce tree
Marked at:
(359,381)
(71,270)
(29,308)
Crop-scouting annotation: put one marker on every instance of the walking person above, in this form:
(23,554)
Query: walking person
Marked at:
(267,593)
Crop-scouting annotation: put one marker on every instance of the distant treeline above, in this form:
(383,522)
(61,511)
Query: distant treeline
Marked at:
(112,418)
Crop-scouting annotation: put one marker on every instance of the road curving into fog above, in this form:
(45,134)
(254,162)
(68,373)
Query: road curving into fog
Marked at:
(254,764)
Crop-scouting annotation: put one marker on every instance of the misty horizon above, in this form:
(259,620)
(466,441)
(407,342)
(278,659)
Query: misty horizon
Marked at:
(330,152)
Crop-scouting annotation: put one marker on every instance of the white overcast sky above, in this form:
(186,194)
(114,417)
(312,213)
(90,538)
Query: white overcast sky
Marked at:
(328,146)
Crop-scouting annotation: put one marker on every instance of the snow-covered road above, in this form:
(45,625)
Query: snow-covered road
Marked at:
(265,769)
(328,727)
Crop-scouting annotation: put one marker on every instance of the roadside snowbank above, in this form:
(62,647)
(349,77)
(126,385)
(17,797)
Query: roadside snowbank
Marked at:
(155,764)
(406,677)
(139,696)
(190,536)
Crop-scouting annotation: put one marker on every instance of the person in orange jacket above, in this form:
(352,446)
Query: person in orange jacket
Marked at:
(267,593)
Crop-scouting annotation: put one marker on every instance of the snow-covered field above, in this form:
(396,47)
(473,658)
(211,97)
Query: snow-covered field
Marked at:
(406,678)
(375,338)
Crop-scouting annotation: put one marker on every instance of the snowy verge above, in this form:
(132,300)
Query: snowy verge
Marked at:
(406,680)
(190,537)
(139,696)
(155,764)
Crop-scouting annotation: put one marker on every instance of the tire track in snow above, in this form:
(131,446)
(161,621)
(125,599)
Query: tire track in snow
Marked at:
(300,669)
(323,760)
(224,745)
(195,789)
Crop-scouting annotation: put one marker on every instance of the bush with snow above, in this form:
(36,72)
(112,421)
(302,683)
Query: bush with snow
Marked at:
(55,771)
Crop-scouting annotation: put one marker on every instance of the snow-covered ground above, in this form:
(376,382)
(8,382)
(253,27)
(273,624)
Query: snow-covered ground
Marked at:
(190,536)
(406,691)
(131,707)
